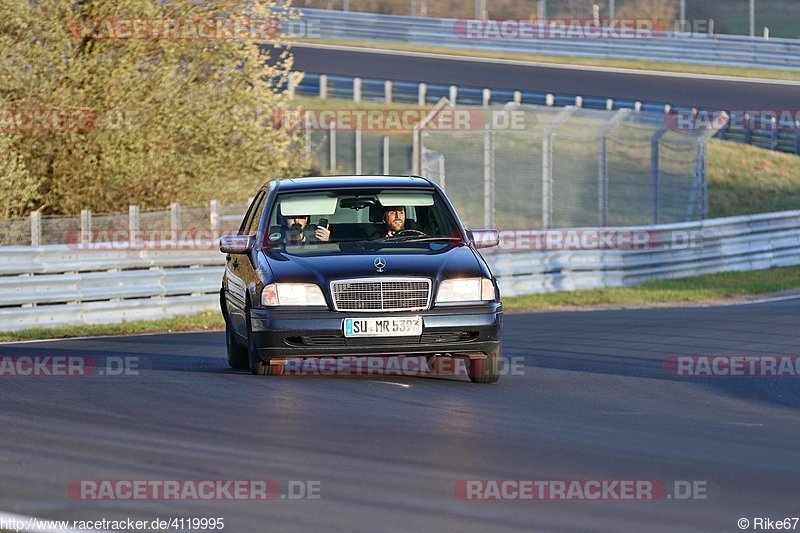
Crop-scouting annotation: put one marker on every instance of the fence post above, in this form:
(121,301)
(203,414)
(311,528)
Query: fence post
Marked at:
(307,138)
(698,183)
(654,172)
(487,97)
(453,95)
(416,146)
(416,151)
(356,89)
(133,222)
(332,147)
(704,183)
(387,91)
(86,226)
(358,151)
(602,182)
(602,171)
(547,181)
(547,166)
(518,97)
(480,9)
(442,175)
(386,155)
(174,216)
(488,177)
(422,92)
(323,86)
(36,228)
(213,218)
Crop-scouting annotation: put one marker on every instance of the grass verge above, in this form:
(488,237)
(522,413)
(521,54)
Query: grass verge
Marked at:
(687,68)
(208,321)
(707,288)
(744,179)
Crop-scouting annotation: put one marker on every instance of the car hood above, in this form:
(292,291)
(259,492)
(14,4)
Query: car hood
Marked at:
(436,261)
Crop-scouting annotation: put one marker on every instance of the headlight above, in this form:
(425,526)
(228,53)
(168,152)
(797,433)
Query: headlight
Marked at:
(465,290)
(292,294)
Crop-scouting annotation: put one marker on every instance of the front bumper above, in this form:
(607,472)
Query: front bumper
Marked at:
(297,332)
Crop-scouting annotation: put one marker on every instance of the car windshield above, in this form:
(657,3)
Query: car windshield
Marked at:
(384,215)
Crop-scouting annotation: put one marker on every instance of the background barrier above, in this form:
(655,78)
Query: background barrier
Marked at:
(56,285)
(697,48)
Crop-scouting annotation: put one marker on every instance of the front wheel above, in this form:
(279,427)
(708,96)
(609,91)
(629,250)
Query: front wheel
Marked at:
(237,354)
(486,370)
(257,366)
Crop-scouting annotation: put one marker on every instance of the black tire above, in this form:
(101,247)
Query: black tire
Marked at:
(486,370)
(237,354)
(257,366)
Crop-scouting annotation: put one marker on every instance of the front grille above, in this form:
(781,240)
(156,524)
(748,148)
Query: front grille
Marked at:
(381,294)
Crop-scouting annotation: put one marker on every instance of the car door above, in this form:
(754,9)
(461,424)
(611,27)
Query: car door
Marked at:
(239,271)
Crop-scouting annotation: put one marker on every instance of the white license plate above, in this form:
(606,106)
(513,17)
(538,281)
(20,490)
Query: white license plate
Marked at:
(383,327)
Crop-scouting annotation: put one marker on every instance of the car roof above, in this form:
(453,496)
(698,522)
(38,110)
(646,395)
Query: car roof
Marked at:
(352,182)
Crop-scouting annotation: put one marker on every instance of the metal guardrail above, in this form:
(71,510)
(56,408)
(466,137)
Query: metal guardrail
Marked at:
(750,242)
(58,285)
(695,48)
(47,286)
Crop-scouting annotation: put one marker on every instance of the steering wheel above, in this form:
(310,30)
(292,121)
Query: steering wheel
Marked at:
(409,232)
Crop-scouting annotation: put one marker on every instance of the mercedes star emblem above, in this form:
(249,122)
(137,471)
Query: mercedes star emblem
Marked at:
(380,263)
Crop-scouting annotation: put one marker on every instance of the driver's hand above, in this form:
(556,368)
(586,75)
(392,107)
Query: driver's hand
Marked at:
(323,233)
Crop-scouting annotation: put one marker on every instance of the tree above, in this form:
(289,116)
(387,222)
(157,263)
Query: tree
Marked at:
(103,104)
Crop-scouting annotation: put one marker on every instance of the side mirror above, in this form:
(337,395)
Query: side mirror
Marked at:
(236,244)
(484,238)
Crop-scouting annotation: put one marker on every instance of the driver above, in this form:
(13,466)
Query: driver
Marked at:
(394,217)
(300,233)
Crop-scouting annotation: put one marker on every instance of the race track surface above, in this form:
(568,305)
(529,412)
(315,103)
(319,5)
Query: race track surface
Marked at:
(594,402)
(686,91)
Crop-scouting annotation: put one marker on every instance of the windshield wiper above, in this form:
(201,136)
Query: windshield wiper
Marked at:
(420,238)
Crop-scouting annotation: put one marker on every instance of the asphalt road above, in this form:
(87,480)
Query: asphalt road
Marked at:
(593,402)
(688,91)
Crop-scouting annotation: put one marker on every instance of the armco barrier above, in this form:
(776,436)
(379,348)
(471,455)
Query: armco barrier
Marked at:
(751,242)
(58,285)
(671,47)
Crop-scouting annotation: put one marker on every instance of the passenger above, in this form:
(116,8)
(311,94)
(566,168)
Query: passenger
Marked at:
(298,231)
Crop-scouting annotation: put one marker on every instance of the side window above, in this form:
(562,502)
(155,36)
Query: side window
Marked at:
(253,225)
(251,211)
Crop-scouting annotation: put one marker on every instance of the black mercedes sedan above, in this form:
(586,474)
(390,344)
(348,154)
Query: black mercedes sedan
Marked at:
(359,266)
